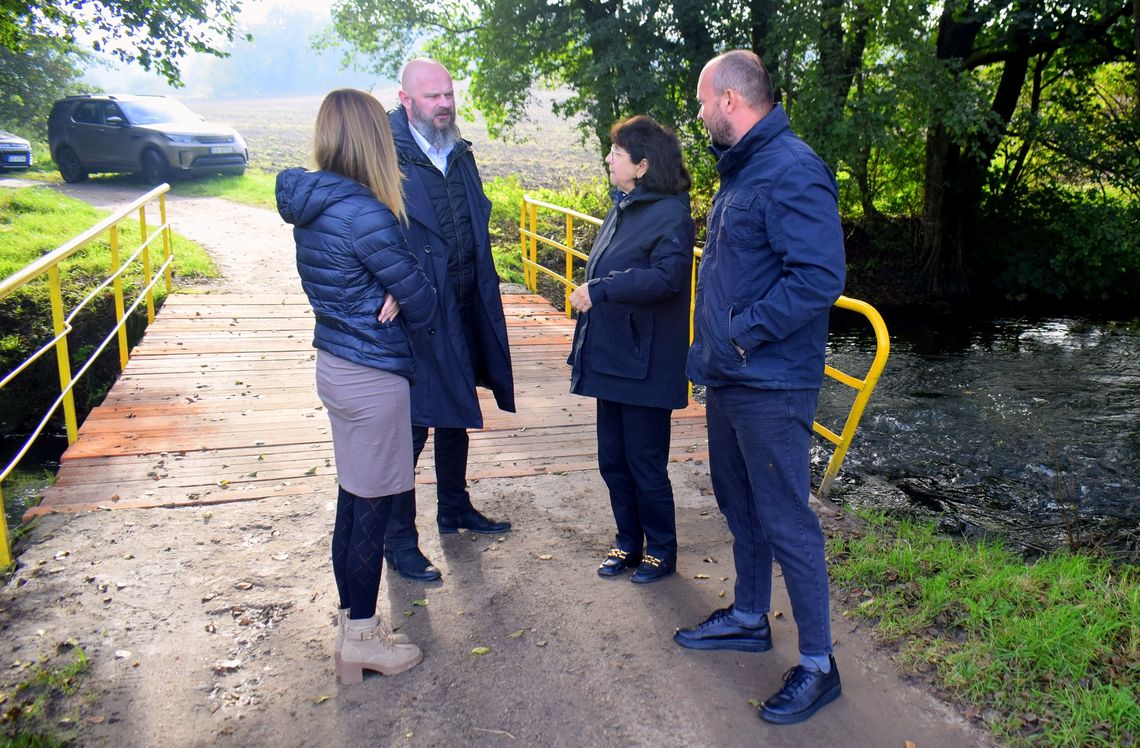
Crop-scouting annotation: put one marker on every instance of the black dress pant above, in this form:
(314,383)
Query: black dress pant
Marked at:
(633,458)
(451,486)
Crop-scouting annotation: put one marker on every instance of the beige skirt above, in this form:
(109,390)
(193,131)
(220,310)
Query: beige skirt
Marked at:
(370,413)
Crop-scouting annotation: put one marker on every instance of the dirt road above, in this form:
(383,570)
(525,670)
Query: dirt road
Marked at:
(214,627)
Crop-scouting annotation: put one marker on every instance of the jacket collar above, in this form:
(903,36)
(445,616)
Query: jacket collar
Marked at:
(641,195)
(762,133)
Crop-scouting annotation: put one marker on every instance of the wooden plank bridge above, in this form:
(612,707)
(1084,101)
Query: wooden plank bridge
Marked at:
(218,404)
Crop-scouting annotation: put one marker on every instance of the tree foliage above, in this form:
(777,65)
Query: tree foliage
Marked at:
(941,111)
(154,33)
(35,77)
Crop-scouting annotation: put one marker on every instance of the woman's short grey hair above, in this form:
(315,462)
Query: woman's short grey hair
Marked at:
(744,73)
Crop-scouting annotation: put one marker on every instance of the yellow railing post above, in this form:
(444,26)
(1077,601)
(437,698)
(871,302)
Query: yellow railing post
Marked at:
(522,243)
(568,288)
(5,547)
(146,265)
(62,357)
(120,306)
(533,246)
(863,387)
(167,243)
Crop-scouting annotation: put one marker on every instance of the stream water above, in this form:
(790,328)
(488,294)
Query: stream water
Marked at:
(1029,428)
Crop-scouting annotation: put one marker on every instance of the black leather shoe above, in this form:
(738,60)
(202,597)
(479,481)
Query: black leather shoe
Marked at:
(618,561)
(472,521)
(722,631)
(805,692)
(652,569)
(412,564)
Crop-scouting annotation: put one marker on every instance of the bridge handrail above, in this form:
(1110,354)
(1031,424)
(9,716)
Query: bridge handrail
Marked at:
(530,238)
(50,265)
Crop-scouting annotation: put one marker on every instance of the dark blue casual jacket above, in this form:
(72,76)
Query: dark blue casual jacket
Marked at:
(450,365)
(350,251)
(773,264)
(630,346)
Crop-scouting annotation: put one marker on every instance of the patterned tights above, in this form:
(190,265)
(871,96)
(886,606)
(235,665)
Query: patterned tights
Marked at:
(358,551)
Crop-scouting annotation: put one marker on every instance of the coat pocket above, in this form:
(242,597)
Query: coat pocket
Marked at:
(741,222)
(620,341)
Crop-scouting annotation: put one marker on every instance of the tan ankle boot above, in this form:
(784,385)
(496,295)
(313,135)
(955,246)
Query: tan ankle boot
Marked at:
(338,645)
(367,647)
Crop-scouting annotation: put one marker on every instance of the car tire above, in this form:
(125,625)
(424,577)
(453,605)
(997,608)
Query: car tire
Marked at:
(154,167)
(69,165)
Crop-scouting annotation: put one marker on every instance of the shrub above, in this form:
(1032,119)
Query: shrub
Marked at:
(1058,244)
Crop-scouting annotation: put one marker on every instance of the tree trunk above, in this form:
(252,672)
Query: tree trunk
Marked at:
(761,25)
(943,273)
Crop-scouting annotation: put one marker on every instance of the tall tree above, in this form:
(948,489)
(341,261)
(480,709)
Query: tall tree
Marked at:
(46,69)
(616,57)
(911,102)
(154,33)
(984,50)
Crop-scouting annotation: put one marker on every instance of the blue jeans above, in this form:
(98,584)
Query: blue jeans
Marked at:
(758,457)
(633,458)
(450,486)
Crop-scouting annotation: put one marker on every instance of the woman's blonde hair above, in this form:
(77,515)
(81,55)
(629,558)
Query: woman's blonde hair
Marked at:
(353,139)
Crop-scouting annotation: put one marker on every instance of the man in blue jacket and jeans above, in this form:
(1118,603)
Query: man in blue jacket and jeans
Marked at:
(772,267)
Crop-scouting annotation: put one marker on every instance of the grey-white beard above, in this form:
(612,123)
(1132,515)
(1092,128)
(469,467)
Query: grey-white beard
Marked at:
(441,139)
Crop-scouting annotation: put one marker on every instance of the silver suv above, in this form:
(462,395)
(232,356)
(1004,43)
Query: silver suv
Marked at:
(153,135)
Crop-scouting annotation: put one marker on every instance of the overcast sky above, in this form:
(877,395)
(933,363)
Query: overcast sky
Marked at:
(121,78)
(255,11)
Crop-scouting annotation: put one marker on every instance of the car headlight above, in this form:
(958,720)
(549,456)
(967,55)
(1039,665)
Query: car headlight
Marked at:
(180,139)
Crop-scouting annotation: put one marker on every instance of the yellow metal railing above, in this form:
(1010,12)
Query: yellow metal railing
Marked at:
(49,266)
(530,237)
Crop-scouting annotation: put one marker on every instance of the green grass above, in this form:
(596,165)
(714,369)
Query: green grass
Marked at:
(1046,653)
(22,490)
(36,220)
(255,188)
(506,193)
(30,711)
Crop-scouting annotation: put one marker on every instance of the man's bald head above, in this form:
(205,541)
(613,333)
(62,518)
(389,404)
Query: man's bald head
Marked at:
(428,95)
(423,71)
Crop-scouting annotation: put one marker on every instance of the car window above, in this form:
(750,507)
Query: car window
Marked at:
(158,110)
(110,109)
(89,113)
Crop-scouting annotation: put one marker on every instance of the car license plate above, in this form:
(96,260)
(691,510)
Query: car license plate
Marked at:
(221,149)
(16,158)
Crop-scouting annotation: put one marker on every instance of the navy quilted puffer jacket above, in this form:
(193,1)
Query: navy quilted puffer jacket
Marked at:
(350,251)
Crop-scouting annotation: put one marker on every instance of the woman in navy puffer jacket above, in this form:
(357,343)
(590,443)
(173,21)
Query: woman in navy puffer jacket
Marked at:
(359,275)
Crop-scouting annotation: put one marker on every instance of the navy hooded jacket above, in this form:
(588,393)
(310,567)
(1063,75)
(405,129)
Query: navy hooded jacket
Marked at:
(350,252)
(773,264)
(450,365)
(630,346)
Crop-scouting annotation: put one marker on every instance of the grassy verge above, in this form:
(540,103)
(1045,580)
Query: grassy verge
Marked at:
(36,220)
(35,713)
(252,188)
(1045,653)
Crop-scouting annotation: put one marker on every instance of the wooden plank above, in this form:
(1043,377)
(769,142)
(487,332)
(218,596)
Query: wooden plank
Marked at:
(218,404)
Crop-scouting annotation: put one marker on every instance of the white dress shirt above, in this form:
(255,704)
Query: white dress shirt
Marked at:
(436,155)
